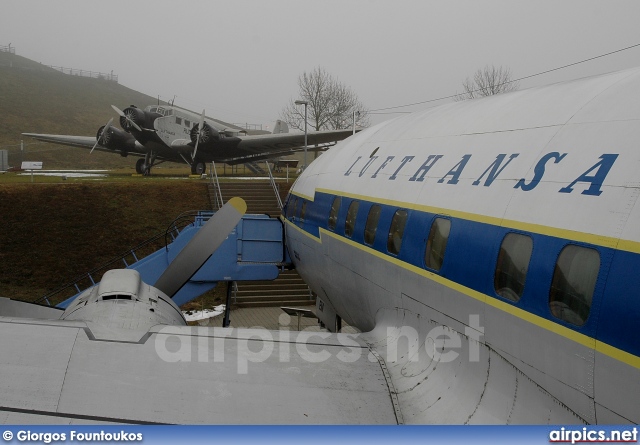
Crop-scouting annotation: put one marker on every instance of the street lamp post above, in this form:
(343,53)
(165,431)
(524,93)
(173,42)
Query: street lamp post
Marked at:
(305,103)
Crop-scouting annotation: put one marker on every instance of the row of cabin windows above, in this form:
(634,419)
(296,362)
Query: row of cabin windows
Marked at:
(187,123)
(574,277)
(573,283)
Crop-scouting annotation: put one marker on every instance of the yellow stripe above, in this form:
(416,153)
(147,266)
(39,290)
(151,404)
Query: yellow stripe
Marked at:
(536,320)
(618,354)
(572,235)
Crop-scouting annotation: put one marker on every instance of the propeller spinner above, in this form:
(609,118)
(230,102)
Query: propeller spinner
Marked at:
(127,117)
(101,139)
(200,129)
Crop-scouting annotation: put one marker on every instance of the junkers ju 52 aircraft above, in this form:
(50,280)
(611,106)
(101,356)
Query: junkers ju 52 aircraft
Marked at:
(487,249)
(162,133)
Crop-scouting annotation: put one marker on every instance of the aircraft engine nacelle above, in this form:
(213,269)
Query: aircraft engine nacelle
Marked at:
(142,119)
(207,135)
(116,139)
(122,299)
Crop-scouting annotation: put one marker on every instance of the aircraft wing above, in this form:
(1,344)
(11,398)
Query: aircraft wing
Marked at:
(274,142)
(57,371)
(242,149)
(260,147)
(82,141)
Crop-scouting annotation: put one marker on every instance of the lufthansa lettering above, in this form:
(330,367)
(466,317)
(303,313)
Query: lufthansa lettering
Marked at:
(593,178)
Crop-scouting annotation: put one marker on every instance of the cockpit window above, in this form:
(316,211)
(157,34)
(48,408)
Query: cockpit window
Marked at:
(161,111)
(153,109)
(303,211)
(333,214)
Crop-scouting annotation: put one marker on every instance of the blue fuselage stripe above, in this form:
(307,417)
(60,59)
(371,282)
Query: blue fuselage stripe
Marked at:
(471,256)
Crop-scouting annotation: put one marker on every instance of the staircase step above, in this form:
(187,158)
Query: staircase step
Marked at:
(277,303)
(264,293)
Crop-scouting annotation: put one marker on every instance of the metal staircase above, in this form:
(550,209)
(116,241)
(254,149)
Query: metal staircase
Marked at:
(289,289)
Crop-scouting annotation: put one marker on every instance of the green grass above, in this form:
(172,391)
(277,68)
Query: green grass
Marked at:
(55,231)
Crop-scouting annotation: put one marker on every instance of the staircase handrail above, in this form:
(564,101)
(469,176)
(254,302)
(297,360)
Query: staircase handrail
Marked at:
(274,185)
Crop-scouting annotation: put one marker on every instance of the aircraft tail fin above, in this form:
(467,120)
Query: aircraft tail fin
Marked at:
(280,127)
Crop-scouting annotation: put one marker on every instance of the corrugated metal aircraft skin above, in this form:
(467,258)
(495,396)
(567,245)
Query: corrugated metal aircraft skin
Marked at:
(547,177)
(168,133)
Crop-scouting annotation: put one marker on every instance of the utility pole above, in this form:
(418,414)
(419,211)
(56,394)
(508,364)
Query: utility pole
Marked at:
(305,103)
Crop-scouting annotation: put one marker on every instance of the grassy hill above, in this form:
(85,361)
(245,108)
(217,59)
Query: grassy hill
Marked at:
(38,99)
(53,232)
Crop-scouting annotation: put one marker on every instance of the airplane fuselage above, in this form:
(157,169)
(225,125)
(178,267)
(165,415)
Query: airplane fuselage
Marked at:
(509,222)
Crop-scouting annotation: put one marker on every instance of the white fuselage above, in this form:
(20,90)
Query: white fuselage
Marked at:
(548,177)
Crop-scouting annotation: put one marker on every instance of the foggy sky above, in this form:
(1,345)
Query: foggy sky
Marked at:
(241,59)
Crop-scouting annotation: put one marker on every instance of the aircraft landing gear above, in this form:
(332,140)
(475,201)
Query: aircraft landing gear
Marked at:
(141,167)
(198,168)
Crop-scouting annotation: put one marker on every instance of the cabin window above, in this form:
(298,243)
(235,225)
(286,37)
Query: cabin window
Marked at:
(291,207)
(333,214)
(573,284)
(372,224)
(437,243)
(512,266)
(187,123)
(178,120)
(350,222)
(396,231)
(303,211)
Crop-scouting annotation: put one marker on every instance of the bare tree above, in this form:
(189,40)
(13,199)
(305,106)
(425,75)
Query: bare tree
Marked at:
(330,104)
(487,82)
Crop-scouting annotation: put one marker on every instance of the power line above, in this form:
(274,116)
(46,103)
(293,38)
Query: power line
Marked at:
(511,81)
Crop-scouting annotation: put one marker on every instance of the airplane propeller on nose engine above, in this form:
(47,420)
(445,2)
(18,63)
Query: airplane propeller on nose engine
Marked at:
(128,118)
(203,244)
(100,139)
(200,126)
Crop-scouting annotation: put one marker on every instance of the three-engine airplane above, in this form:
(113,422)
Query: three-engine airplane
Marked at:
(162,133)
(488,249)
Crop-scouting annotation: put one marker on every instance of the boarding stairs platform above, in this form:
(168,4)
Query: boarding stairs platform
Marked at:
(253,251)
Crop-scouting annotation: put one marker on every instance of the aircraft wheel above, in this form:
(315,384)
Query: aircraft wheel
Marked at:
(198,168)
(140,166)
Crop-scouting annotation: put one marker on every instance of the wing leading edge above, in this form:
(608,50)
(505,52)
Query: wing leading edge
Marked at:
(83,142)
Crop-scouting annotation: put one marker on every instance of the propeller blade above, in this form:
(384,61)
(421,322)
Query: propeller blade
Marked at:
(121,113)
(104,131)
(203,244)
(201,124)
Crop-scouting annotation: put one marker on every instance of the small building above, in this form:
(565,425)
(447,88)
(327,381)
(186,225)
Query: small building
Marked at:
(4,160)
